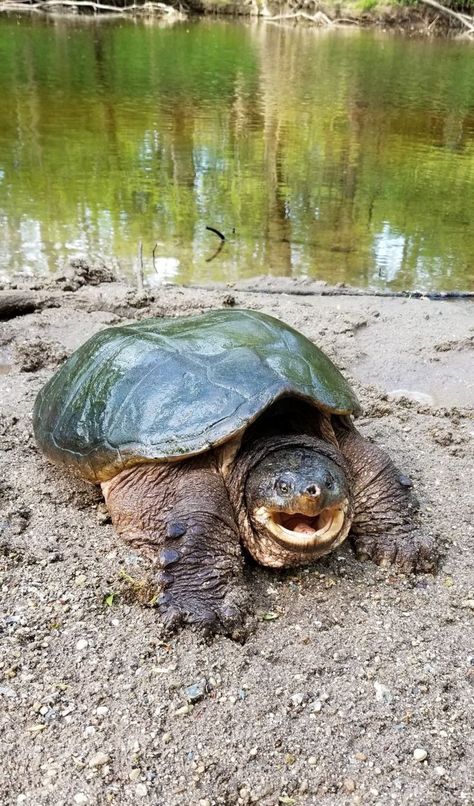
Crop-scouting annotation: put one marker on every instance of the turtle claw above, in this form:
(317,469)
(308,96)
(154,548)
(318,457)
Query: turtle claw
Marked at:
(419,556)
(428,556)
(209,618)
(200,571)
(210,608)
(175,529)
(172,617)
(168,556)
(407,553)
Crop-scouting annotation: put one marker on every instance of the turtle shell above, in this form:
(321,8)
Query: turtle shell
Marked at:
(164,389)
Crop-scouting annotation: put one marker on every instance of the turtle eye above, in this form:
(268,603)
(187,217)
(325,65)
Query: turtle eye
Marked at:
(282,486)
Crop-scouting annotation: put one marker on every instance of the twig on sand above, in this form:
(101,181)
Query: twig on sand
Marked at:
(139,267)
(342,292)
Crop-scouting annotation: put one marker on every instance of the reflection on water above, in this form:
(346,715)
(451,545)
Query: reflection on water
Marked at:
(342,156)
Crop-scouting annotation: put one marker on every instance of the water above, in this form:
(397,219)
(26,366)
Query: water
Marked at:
(342,156)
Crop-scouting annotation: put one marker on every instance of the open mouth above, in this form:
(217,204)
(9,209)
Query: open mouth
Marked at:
(301,531)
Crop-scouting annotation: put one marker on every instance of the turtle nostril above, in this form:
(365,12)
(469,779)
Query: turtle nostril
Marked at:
(313,490)
(329,481)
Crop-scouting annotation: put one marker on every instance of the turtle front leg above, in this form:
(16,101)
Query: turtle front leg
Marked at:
(180,516)
(386,526)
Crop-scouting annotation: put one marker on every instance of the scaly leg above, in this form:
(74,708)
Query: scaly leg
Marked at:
(386,526)
(180,516)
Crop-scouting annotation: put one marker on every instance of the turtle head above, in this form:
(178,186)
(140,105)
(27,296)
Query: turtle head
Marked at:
(298,502)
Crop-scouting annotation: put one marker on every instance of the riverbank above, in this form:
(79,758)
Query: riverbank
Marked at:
(424,16)
(330,696)
(427,17)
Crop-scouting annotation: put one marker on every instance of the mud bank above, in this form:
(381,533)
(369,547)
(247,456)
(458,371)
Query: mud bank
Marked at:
(355,668)
(421,19)
(414,18)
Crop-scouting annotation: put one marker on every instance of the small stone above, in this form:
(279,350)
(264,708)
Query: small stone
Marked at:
(98,759)
(420,754)
(349,785)
(166,738)
(312,761)
(134,774)
(204,802)
(196,691)
(6,691)
(297,699)
(103,515)
(440,771)
(81,799)
(37,728)
(89,730)
(360,756)
(184,710)
(80,580)
(141,790)
(82,644)
(102,710)
(382,693)
(253,752)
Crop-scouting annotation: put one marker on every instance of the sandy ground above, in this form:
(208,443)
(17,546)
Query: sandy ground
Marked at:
(354,669)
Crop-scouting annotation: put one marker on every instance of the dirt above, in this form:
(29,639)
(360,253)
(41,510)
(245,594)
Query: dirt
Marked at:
(355,684)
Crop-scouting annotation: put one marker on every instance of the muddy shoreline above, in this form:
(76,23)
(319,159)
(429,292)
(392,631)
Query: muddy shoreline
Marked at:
(328,700)
(411,20)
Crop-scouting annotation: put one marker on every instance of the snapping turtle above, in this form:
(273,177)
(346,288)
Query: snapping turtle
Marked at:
(215,431)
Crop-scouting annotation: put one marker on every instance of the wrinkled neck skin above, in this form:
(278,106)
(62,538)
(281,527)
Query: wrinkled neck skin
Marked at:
(292,497)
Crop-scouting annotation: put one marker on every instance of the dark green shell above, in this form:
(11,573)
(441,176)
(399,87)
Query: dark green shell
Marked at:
(162,389)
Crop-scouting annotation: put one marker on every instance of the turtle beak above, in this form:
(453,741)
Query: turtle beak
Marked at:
(319,530)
